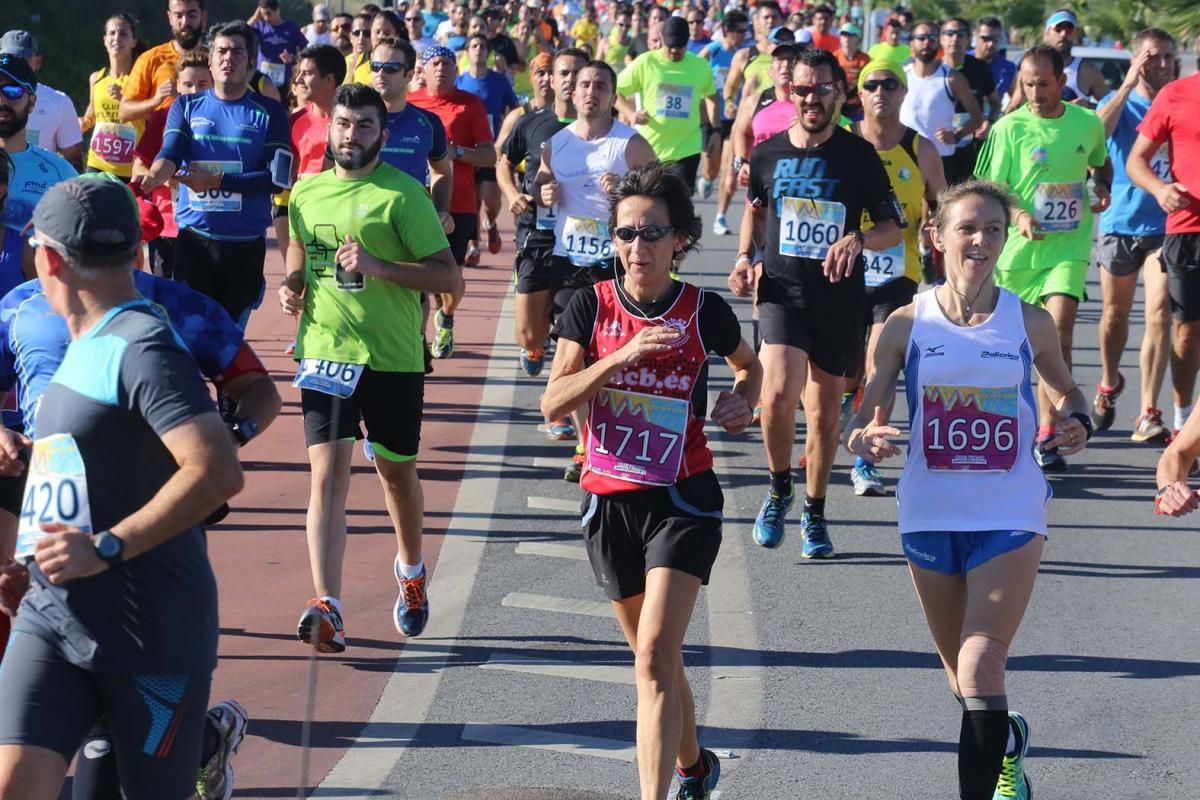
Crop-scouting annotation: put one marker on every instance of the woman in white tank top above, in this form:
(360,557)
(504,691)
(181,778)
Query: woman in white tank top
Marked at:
(972,499)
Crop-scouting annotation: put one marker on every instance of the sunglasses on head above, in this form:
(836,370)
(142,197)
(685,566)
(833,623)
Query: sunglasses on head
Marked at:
(649,233)
(890,84)
(823,89)
(388,67)
(13,91)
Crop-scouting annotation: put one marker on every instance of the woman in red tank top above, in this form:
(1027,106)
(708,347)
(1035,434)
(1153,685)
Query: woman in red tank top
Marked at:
(633,352)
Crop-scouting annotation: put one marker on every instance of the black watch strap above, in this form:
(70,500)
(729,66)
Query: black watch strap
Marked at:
(1085,421)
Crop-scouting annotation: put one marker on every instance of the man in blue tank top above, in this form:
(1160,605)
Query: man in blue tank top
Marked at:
(1131,235)
(227,146)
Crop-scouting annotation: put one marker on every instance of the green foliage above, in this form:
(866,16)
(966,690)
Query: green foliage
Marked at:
(69,32)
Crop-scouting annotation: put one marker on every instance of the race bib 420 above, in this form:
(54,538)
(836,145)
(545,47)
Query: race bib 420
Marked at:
(56,491)
(807,227)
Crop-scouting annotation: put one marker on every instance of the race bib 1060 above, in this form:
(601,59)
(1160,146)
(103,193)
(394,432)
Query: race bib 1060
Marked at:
(884,266)
(637,437)
(970,428)
(807,227)
(216,200)
(587,241)
(328,377)
(56,491)
(1058,207)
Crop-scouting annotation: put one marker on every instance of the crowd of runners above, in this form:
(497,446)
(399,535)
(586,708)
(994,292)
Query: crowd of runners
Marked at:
(928,205)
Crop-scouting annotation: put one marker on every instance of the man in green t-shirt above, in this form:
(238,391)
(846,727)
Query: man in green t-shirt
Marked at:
(892,46)
(1044,152)
(677,94)
(366,243)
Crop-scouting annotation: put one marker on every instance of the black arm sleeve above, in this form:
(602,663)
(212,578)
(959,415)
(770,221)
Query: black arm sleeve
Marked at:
(578,319)
(719,326)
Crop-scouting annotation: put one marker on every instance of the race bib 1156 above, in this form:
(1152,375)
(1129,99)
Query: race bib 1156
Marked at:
(587,241)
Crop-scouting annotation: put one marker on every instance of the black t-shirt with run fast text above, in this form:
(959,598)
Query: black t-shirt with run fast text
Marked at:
(719,327)
(813,197)
(525,143)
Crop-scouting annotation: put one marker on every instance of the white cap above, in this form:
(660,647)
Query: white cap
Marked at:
(320,11)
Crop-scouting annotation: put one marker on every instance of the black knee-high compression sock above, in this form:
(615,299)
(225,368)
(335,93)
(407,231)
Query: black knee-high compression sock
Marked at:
(981,743)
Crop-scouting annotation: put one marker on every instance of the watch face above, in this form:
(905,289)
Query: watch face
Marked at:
(108,546)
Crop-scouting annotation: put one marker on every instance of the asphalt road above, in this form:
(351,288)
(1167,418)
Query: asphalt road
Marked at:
(811,679)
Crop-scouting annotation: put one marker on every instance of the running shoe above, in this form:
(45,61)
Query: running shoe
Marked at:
(1148,427)
(215,779)
(756,419)
(493,239)
(1049,459)
(816,537)
(705,187)
(720,225)
(575,469)
(532,361)
(561,430)
(472,257)
(769,526)
(1013,782)
(322,620)
(700,788)
(867,481)
(290,349)
(845,409)
(1104,406)
(368,451)
(443,338)
(411,611)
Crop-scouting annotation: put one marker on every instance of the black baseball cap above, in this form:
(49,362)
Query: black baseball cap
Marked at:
(96,218)
(675,32)
(18,71)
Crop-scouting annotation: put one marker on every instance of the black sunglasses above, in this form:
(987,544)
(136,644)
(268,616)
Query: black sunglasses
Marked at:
(361,32)
(983,38)
(890,84)
(956,32)
(924,37)
(823,89)
(388,67)
(649,233)
(13,91)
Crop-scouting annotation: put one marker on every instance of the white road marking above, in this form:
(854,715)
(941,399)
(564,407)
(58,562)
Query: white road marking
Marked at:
(559,463)
(552,550)
(540,739)
(559,605)
(563,668)
(553,504)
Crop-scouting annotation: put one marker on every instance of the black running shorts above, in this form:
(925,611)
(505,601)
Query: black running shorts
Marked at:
(631,533)
(389,404)
(832,335)
(1181,260)
(885,300)
(229,272)
(465,228)
(155,721)
(533,268)
(566,279)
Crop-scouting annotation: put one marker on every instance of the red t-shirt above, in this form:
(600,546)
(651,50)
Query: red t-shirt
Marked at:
(310,138)
(146,151)
(466,121)
(1174,119)
(826,41)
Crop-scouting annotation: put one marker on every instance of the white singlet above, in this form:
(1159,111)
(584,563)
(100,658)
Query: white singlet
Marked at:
(1071,70)
(929,105)
(973,416)
(577,164)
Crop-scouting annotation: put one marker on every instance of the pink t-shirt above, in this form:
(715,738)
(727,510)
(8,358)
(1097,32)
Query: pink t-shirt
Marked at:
(772,119)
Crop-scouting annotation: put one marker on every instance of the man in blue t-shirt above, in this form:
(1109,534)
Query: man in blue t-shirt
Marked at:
(416,141)
(989,42)
(131,451)
(31,170)
(496,92)
(720,54)
(230,149)
(1131,234)
(280,42)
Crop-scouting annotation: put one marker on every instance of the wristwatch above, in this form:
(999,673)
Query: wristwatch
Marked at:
(244,429)
(110,547)
(738,163)
(1086,422)
(860,237)
(458,152)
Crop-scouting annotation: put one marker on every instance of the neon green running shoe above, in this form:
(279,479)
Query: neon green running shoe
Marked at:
(1013,782)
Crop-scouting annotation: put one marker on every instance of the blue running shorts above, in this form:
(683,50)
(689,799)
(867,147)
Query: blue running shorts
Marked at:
(957,553)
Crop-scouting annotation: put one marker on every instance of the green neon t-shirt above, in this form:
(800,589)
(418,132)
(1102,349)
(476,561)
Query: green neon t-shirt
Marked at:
(392,217)
(671,93)
(1044,162)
